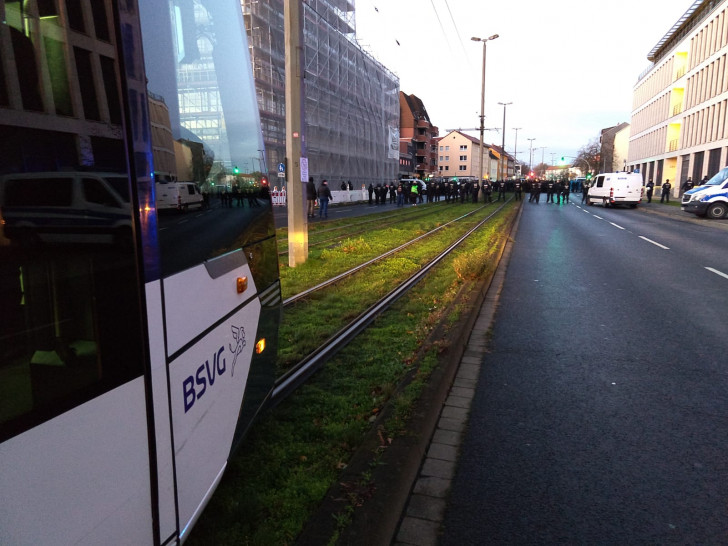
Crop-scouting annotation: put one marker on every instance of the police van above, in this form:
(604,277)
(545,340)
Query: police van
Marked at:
(612,189)
(178,195)
(709,199)
(65,207)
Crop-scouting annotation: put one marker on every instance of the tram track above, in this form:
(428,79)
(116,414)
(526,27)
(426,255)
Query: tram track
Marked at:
(306,367)
(291,300)
(396,218)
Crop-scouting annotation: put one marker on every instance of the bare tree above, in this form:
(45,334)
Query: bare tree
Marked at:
(588,157)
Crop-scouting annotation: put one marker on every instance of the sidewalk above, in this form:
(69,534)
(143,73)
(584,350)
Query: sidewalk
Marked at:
(673,211)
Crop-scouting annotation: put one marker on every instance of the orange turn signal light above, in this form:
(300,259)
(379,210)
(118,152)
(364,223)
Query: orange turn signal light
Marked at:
(242,284)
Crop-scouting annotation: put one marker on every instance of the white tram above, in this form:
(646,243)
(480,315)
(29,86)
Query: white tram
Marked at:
(135,347)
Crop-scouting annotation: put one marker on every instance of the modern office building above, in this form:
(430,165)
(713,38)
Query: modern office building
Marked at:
(678,127)
(351,100)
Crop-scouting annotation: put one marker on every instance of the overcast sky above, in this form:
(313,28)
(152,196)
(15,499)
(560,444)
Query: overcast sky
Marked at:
(567,66)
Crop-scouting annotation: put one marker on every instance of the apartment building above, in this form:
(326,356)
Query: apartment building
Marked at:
(415,125)
(678,126)
(458,155)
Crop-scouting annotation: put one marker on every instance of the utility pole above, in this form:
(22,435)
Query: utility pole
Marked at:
(504,174)
(482,104)
(295,143)
(530,155)
(515,145)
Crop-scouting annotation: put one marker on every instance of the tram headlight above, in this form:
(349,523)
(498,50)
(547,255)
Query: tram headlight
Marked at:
(260,346)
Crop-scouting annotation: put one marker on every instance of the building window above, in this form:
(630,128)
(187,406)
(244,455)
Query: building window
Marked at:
(447,158)
(447,167)
(463,146)
(447,148)
(463,158)
(463,168)
(441,148)
(441,158)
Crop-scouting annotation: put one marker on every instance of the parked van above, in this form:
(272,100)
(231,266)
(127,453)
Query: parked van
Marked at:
(178,195)
(709,199)
(65,207)
(611,189)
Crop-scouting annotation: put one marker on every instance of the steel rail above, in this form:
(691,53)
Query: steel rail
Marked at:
(299,374)
(353,270)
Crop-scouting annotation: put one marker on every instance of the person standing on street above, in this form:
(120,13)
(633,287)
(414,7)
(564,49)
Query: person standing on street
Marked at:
(310,197)
(501,190)
(688,184)
(536,191)
(665,196)
(584,191)
(649,188)
(517,188)
(324,194)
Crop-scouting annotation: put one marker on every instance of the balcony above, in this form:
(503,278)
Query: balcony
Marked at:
(420,138)
(423,124)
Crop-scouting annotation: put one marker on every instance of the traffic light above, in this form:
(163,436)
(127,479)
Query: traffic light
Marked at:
(588,176)
(236,170)
(563,159)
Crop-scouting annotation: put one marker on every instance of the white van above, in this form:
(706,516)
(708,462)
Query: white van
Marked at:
(178,195)
(66,207)
(611,189)
(709,199)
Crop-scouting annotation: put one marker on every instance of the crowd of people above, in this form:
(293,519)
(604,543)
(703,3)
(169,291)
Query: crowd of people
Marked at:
(414,191)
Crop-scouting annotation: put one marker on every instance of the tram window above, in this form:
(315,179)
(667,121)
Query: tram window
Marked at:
(203,104)
(70,300)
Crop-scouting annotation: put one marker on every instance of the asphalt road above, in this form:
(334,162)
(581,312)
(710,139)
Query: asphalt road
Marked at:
(601,415)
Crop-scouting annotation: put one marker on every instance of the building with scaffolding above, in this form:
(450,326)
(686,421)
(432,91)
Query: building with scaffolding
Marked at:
(351,100)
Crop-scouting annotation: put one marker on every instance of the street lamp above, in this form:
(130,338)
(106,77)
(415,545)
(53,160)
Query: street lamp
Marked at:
(482,104)
(503,144)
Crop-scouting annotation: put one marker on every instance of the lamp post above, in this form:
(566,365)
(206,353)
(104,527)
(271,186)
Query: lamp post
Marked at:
(482,105)
(530,155)
(503,143)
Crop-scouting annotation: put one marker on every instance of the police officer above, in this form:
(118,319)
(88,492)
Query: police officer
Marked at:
(487,192)
(536,191)
(665,195)
(649,189)
(501,190)
(565,192)
(517,188)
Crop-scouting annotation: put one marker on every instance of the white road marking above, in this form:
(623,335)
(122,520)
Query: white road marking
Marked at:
(615,225)
(654,242)
(598,217)
(717,272)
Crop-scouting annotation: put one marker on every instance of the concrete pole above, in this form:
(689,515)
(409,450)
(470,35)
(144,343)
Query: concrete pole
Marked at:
(297,174)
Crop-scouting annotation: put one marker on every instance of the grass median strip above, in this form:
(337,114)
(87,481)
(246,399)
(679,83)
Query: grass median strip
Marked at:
(296,452)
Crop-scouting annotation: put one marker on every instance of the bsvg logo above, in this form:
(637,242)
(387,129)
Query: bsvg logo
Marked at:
(195,386)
